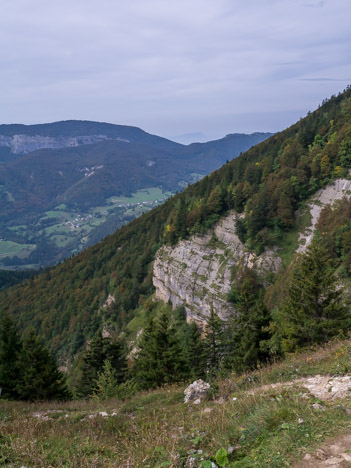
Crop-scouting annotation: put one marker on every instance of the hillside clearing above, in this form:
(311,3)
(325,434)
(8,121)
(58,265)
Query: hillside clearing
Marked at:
(257,422)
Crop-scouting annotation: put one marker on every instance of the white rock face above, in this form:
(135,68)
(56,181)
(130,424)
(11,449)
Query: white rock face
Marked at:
(195,391)
(198,273)
(328,196)
(23,144)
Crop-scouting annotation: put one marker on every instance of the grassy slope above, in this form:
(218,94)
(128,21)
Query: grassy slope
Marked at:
(157,429)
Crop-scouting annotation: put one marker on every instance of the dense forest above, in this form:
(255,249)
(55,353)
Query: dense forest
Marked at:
(268,184)
(10,278)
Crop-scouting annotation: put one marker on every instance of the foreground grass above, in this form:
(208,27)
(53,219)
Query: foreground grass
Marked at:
(157,429)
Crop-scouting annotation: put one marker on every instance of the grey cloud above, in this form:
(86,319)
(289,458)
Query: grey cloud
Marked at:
(172,67)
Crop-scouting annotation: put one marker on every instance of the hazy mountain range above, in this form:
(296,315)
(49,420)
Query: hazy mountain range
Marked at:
(54,176)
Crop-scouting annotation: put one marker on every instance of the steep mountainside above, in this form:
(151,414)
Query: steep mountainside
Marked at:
(266,186)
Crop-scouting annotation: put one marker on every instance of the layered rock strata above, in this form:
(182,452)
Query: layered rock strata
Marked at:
(198,273)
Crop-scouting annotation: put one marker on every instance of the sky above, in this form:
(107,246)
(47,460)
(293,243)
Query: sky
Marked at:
(172,67)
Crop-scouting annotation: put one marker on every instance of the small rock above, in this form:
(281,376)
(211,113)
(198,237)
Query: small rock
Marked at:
(321,455)
(234,398)
(346,456)
(207,410)
(220,401)
(197,390)
(103,414)
(230,450)
(197,401)
(307,457)
(300,421)
(191,462)
(333,461)
(317,406)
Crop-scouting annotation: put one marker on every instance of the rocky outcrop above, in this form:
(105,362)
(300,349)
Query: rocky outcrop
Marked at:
(23,144)
(196,391)
(327,196)
(198,273)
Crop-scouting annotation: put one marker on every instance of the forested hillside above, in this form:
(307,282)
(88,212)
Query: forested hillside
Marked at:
(267,183)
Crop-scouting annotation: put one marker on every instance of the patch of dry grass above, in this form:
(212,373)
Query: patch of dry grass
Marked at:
(156,429)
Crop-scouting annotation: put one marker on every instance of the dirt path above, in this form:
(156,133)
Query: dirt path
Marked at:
(335,452)
(324,387)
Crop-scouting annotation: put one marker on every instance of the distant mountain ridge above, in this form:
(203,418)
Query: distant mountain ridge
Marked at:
(78,166)
(22,139)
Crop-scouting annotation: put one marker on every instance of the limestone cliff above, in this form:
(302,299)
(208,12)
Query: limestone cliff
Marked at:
(198,273)
(23,144)
(327,196)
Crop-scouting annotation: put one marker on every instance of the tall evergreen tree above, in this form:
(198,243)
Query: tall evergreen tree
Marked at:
(248,327)
(40,378)
(98,351)
(314,310)
(215,343)
(196,352)
(160,359)
(180,223)
(10,351)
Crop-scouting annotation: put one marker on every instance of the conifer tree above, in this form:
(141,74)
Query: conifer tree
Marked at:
(39,377)
(160,359)
(196,352)
(215,343)
(180,223)
(106,384)
(98,351)
(10,351)
(248,327)
(314,310)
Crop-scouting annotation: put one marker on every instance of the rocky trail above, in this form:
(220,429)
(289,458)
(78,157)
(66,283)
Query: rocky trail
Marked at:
(335,452)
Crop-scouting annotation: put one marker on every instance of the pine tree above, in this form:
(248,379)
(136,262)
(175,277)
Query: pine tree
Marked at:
(314,310)
(196,352)
(247,329)
(39,377)
(99,350)
(10,350)
(106,384)
(160,359)
(215,344)
(93,360)
(180,223)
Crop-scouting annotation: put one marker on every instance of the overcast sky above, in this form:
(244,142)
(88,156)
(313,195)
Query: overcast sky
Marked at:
(172,67)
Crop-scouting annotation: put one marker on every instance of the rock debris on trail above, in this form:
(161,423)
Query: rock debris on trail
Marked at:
(334,452)
(323,387)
